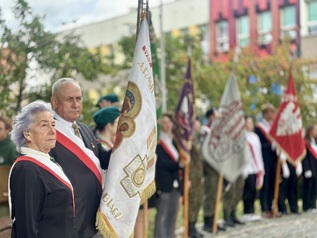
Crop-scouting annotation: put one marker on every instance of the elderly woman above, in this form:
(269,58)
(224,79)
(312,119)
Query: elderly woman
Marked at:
(41,196)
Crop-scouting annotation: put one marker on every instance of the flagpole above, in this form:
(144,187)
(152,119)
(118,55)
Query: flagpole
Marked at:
(276,186)
(162,67)
(217,205)
(186,168)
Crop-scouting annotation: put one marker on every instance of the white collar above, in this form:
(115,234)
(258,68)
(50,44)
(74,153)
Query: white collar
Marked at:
(63,121)
(30,151)
(166,136)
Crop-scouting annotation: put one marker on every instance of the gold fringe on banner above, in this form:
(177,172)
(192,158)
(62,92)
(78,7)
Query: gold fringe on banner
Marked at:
(148,192)
(104,226)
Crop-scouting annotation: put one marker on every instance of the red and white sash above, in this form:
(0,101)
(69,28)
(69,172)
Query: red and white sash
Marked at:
(68,139)
(259,174)
(312,149)
(167,144)
(265,127)
(50,167)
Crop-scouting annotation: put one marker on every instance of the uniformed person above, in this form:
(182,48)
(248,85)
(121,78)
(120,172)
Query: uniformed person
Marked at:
(106,120)
(196,174)
(231,199)
(211,177)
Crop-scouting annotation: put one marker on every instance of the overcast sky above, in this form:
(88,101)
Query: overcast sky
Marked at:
(64,14)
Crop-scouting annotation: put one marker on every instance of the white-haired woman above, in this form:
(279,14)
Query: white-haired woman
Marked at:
(41,196)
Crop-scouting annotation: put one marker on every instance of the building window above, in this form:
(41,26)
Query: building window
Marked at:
(312,17)
(222,36)
(264,28)
(288,22)
(243,31)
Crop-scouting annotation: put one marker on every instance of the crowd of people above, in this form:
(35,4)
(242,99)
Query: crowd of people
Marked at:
(59,163)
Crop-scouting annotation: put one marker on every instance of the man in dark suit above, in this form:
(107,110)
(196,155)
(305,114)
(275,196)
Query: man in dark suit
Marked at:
(78,152)
(269,159)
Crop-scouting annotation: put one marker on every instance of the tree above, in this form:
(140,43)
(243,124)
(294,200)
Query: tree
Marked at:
(31,53)
(261,80)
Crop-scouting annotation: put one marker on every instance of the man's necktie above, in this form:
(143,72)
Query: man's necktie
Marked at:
(76,130)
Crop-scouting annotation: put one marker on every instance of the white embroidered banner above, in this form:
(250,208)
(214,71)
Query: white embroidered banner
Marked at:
(130,177)
(224,148)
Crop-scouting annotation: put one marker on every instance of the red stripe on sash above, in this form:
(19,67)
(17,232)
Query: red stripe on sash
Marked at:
(258,174)
(311,150)
(165,147)
(253,155)
(264,133)
(76,150)
(30,159)
(106,143)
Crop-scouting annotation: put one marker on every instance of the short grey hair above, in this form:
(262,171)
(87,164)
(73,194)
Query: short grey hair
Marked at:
(24,119)
(56,86)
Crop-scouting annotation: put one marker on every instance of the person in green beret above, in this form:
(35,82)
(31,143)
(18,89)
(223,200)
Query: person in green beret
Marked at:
(108,100)
(106,120)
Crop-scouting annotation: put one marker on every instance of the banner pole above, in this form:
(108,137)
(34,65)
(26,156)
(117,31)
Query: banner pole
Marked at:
(186,179)
(276,187)
(217,205)
(145,218)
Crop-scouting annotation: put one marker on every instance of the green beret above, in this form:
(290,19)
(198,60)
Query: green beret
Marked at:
(106,115)
(111,97)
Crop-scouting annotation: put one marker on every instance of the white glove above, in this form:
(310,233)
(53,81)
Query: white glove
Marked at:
(299,169)
(285,170)
(282,156)
(245,174)
(273,147)
(308,174)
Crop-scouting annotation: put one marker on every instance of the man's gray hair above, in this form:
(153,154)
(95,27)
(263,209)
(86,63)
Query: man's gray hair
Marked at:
(24,119)
(60,82)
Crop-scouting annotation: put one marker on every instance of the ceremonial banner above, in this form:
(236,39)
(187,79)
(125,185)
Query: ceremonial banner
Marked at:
(224,148)
(130,176)
(286,131)
(185,116)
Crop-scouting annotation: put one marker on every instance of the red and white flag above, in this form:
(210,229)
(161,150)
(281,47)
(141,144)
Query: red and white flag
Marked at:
(286,131)
(224,148)
(130,176)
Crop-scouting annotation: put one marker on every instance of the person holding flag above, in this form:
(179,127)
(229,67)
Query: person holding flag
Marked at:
(196,175)
(286,134)
(269,159)
(210,178)
(79,153)
(224,148)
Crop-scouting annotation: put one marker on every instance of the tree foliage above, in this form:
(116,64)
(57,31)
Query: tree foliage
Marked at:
(30,54)
(260,79)
(31,49)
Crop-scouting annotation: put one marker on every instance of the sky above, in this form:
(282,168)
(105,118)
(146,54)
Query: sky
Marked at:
(66,14)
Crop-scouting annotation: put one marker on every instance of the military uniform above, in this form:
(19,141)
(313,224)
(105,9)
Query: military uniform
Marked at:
(231,199)
(196,174)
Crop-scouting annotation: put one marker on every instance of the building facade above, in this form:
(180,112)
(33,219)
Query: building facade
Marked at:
(258,24)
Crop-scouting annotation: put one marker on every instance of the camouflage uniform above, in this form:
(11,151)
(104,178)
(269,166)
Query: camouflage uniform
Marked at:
(210,189)
(196,174)
(231,199)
